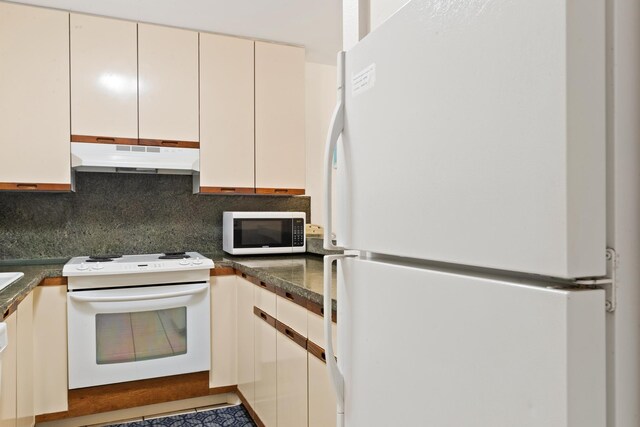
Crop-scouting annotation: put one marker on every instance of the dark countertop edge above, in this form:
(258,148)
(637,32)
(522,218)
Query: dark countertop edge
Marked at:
(17,291)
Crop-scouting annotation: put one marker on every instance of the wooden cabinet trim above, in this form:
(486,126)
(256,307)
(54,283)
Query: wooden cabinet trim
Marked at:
(222,271)
(54,281)
(318,309)
(264,316)
(112,397)
(169,143)
(264,285)
(281,191)
(227,190)
(292,297)
(249,409)
(32,186)
(291,334)
(103,139)
(317,351)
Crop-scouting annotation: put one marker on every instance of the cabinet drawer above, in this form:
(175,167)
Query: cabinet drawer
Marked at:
(290,312)
(315,328)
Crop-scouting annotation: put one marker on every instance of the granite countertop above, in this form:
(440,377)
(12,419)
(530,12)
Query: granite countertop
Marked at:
(299,274)
(33,275)
(302,275)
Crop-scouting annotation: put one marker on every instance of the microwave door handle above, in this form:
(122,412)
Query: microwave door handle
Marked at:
(124,298)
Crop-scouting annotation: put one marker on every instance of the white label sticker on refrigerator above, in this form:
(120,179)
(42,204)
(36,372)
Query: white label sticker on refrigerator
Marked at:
(364,80)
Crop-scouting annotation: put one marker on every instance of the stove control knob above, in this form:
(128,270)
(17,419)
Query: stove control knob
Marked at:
(197,261)
(184,261)
(82,267)
(97,266)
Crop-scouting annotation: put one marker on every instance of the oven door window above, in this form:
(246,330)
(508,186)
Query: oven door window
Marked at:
(140,335)
(262,233)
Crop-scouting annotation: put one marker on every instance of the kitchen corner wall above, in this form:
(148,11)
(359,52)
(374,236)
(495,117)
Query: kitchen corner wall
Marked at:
(123,213)
(320,99)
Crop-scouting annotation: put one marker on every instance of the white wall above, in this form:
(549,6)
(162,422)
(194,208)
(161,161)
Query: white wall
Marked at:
(320,99)
(381,10)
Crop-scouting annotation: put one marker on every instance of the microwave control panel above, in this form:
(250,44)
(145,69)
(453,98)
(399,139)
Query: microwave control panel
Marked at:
(298,232)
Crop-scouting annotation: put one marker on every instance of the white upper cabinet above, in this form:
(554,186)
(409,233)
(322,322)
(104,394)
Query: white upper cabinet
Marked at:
(104,77)
(34,98)
(279,118)
(226,114)
(168,84)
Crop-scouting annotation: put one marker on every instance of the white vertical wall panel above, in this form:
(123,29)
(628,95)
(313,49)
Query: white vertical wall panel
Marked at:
(480,134)
(168,83)
(104,77)
(34,95)
(468,350)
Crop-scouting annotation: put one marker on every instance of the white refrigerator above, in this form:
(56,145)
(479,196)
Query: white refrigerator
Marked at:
(470,181)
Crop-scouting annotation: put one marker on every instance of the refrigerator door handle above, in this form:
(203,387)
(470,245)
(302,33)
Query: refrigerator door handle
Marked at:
(336,377)
(335,129)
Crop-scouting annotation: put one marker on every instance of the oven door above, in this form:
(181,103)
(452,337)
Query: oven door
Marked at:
(127,334)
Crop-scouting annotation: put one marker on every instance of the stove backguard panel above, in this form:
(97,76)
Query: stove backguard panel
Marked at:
(122,213)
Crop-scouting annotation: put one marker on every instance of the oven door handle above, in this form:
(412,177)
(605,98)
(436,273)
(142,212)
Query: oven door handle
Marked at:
(122,298)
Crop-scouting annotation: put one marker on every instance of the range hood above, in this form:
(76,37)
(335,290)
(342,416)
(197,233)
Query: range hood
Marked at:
(89,157)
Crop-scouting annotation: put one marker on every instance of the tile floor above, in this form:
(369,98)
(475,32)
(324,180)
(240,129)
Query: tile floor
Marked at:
(228,416)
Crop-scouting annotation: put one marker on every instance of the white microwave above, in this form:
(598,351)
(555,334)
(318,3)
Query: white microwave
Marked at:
(248,233)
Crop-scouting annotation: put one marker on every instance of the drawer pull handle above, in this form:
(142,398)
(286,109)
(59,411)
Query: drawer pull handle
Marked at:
(264,285)
(28,186)
(264,316)
(288,295)
(105,139)
(227,190)
(244,276)
(289,333)
(169,142)
(280,190)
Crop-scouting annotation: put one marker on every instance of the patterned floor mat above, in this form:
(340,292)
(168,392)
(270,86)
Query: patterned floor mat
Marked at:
(231,416)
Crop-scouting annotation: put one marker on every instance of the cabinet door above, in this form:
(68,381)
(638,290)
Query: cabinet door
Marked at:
(226,115)
(280,119)
(34,100)
(322,397)
(168,85)
(8,375)
(50,339)
(223,331)
(245,340)
(25,409)
(291,380)
(104,78)
(265,372)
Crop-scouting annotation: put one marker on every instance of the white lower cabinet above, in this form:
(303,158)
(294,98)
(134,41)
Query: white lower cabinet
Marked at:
(245,344)
(223,331)
(25,409)
(8,378)
(265,372)
(291,382)
(50,342)
(322,397)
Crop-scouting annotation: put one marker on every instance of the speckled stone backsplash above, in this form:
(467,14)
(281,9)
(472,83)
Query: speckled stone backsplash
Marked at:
(123,213)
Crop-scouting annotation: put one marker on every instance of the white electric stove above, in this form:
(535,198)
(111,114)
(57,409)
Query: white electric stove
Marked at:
(134,317)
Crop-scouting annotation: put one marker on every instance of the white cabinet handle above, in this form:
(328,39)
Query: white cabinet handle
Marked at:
(335,129)
(122,298)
